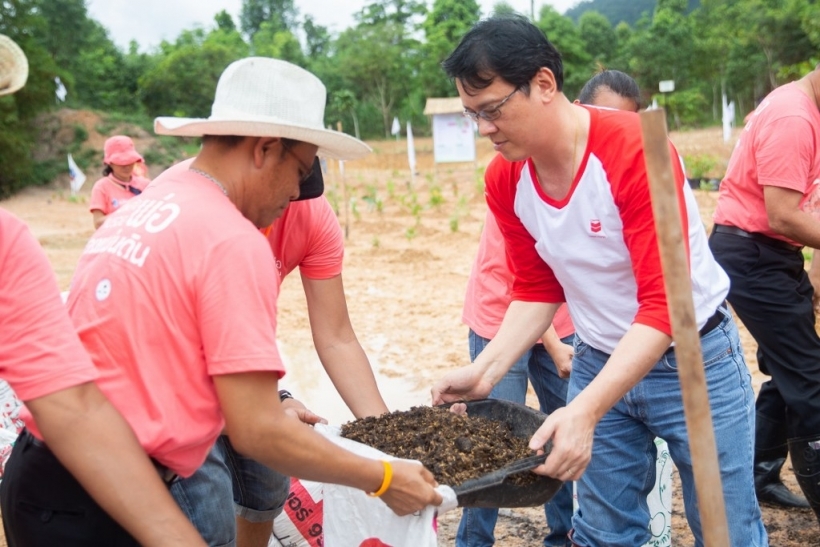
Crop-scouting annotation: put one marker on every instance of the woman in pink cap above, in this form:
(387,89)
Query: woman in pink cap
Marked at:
(120,182)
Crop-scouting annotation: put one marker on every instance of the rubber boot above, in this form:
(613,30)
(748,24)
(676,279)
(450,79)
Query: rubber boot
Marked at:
(806,461)
(771,450)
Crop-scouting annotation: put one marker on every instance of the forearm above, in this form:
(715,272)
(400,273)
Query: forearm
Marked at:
(523,324)
(95,443)
(635,355)
(284,443)
(552,343)
(349,369)
(799,226)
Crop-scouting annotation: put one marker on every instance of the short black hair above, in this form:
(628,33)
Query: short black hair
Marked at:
(508,46)
(223,141)
(620,83)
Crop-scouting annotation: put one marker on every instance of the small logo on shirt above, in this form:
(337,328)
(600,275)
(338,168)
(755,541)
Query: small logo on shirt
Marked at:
(103,290)
(115,203)
(596,229)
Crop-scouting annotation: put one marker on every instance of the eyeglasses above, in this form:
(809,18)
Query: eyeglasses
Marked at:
(489,114)
(308,171)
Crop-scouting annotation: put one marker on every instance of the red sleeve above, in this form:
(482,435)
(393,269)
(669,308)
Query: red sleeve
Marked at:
(630,188)
(534,279)
(325,247)
(99,200)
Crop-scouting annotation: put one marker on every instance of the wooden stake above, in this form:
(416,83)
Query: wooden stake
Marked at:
(344,189)
(684,329)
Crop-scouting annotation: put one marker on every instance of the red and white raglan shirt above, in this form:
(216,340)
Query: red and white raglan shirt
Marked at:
(597,248)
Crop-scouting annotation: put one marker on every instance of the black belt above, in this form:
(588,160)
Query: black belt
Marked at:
(766,240)
(167,476)
(711,324)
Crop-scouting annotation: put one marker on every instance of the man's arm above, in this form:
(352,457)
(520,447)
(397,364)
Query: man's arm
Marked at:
(523,324)
(560,352)
(339,350)
(282,442)
(787,219)
(95,443)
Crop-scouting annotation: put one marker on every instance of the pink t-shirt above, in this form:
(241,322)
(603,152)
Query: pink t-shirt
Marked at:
(108,196)
(176,287)
(489,289)
(40,352)
(308,235)
(780,146)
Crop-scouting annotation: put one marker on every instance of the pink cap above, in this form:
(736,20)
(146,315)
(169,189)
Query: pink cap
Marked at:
(120,150)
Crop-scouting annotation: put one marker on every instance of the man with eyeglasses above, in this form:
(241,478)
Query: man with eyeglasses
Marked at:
(174,297)
(569,191)
(307,236)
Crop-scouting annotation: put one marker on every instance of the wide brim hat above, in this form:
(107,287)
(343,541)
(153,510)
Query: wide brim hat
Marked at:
(13,66)
(264,97)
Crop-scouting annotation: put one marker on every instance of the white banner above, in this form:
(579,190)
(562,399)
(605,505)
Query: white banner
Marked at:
(411,149)
(76,174)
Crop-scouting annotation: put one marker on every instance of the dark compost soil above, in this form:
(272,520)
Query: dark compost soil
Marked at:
(454,447)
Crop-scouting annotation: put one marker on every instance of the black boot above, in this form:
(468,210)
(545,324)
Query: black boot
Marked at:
(806,461)
(771,449)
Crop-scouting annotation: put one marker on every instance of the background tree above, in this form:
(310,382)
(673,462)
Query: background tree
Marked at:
(563,33)
(21,21)
(597,32)
(280,14)
(446,23)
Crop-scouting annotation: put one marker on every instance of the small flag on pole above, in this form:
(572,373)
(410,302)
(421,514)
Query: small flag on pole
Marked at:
(411,153)
(396,129)
(76,175)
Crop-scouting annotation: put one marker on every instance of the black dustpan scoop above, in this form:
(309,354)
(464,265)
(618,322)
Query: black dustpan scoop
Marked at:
(491,490)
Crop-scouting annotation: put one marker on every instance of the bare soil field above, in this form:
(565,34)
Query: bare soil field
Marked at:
(411,241)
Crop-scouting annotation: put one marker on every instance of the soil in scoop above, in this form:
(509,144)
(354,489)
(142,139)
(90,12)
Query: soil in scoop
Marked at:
(455,448)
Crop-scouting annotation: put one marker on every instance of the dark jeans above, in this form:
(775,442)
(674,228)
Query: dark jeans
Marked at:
(44,506)
(772,296)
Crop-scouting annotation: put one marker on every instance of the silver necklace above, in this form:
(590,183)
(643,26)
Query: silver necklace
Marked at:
(210,178)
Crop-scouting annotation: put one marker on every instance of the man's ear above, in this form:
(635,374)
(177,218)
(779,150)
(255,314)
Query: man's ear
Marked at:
(265,146)
(543,84)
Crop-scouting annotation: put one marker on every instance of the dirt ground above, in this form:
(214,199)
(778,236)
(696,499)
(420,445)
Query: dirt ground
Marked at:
(411,241)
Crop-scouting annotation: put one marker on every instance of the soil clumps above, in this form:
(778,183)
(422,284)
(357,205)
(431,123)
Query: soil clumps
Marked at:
(454,447)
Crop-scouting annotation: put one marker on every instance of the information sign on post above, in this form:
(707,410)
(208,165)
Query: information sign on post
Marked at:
(666,86)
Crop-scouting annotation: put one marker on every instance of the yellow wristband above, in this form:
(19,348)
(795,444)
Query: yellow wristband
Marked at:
(388,478)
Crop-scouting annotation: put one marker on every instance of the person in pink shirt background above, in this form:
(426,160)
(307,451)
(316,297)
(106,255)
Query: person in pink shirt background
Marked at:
(120,181)
(547,364)
(764,217)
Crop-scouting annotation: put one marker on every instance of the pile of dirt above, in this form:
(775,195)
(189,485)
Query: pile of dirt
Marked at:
(454,447)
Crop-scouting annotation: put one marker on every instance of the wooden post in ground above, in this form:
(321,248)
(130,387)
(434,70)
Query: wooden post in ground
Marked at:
(346,205)
(684,328)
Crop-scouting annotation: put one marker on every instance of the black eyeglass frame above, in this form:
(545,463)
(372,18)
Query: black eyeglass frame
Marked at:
(489,114)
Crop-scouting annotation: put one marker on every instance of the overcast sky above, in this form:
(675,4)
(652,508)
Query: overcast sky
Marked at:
(151,21)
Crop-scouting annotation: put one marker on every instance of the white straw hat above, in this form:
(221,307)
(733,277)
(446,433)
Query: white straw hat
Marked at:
(264,97)
(13,66)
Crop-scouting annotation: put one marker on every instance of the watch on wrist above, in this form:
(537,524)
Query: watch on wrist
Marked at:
(284,394)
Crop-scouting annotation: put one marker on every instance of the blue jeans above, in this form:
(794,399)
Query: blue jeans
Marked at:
(612,492)
(229,484)
(477,525)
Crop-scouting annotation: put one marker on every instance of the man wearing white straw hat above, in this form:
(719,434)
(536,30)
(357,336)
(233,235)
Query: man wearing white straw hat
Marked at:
(175,295)
(76,443)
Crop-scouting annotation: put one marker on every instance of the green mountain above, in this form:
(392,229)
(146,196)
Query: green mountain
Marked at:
(619,10)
